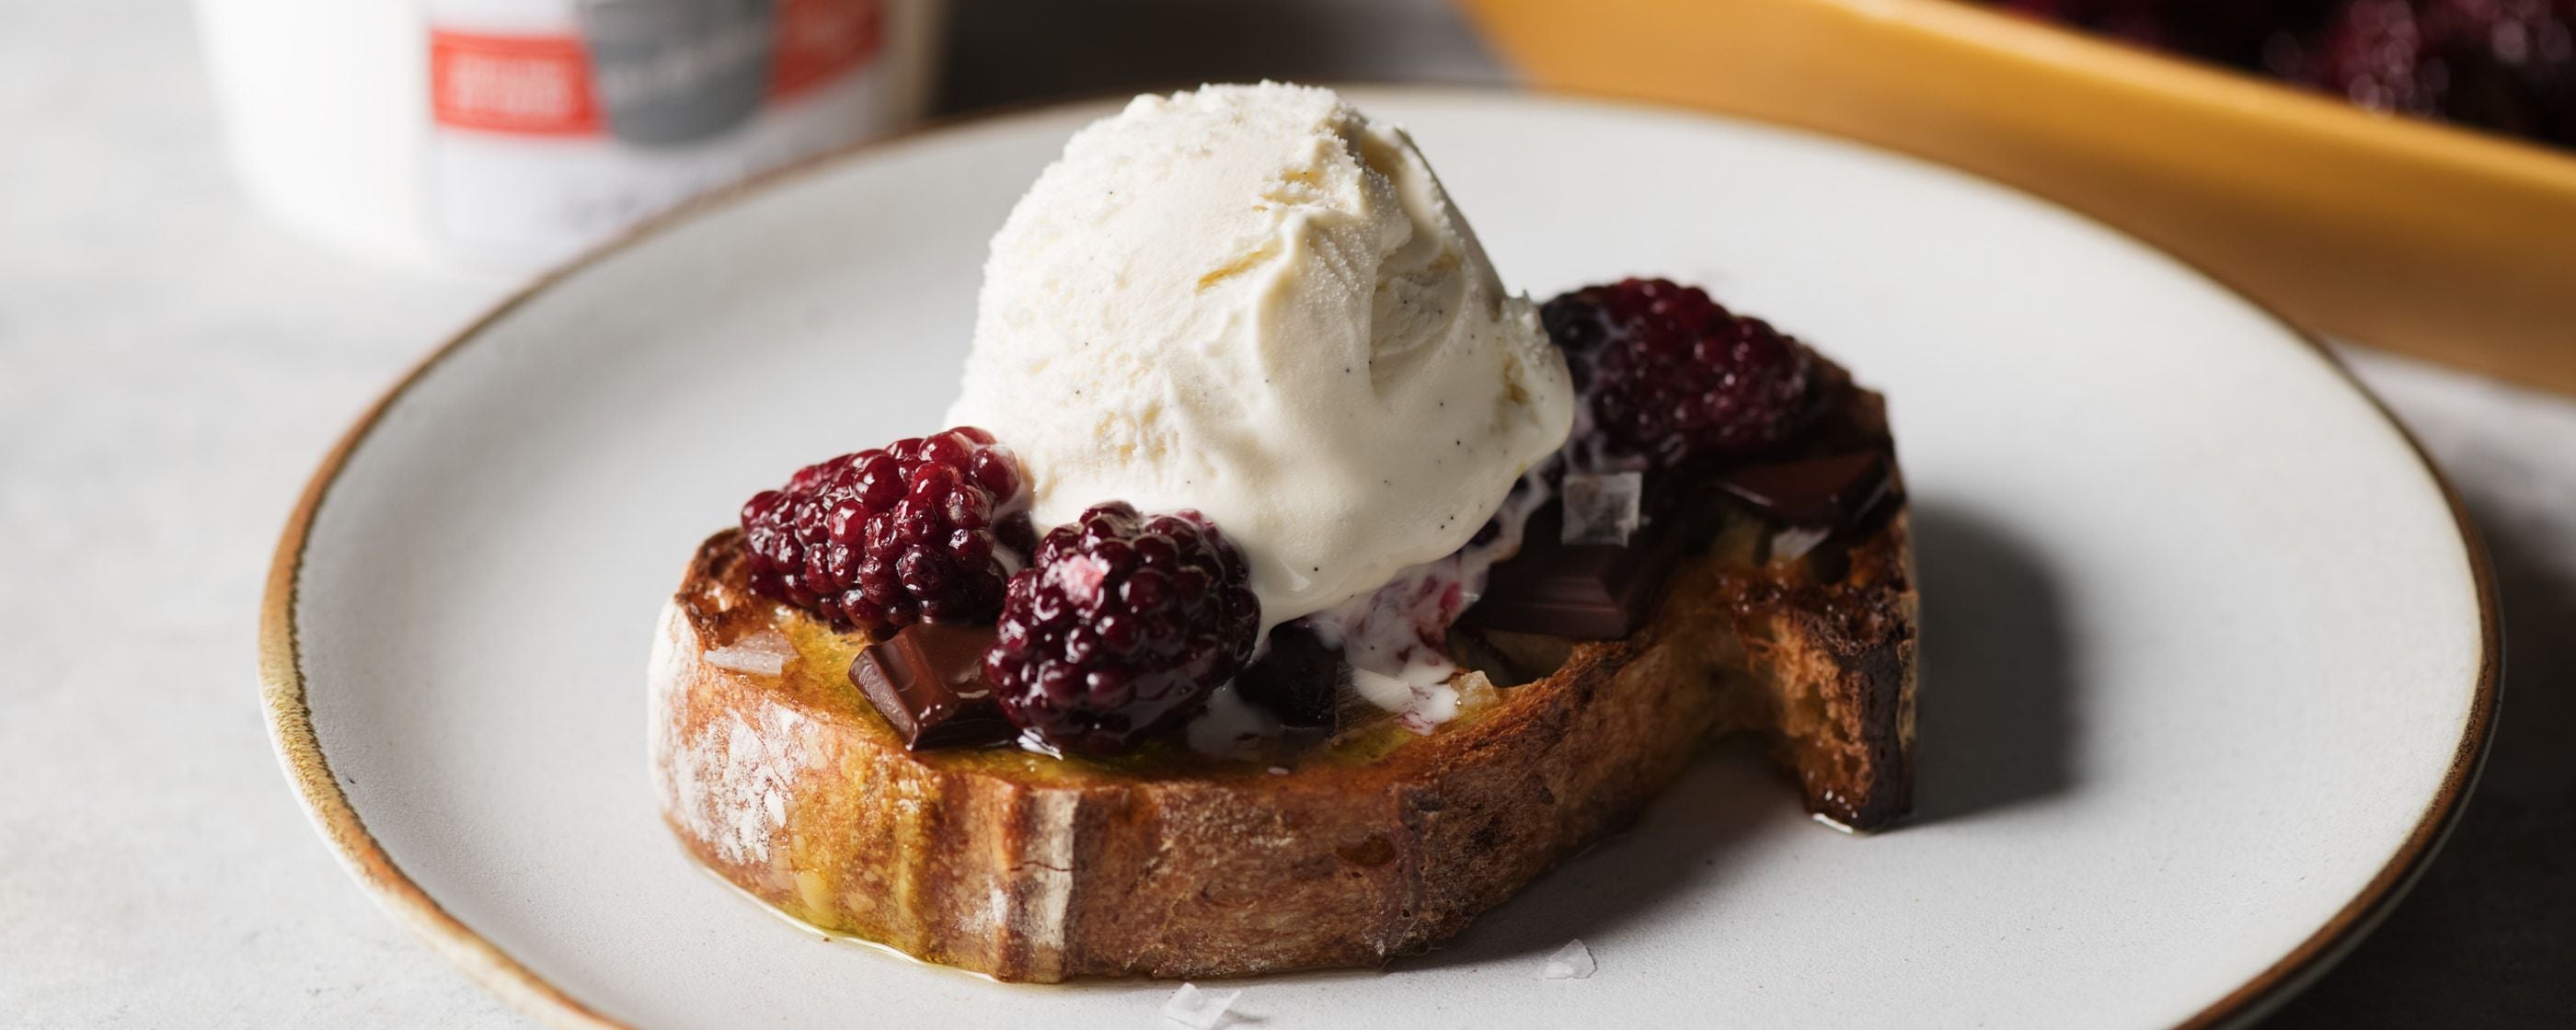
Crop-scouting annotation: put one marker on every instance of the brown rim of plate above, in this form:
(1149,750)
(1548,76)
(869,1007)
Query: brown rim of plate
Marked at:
(290,719)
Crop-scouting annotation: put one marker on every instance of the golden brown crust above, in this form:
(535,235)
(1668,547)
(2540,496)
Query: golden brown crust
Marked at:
(1829,640)
(1832,660)
(1031,868)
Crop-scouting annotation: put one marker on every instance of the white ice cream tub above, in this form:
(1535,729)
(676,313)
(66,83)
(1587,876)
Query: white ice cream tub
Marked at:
(518,132)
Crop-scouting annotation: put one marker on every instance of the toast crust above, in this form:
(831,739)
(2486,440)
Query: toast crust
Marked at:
(776,773)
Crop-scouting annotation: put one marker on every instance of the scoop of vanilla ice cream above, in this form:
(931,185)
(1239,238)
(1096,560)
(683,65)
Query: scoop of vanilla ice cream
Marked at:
(1256,302)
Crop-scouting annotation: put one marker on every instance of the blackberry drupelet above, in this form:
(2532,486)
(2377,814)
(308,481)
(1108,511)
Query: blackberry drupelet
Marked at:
(1669,374)
(928,529)
(1121,627)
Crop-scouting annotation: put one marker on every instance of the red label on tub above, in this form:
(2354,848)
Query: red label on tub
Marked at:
(556,122)
(552,85)
(822,40)
(525,85)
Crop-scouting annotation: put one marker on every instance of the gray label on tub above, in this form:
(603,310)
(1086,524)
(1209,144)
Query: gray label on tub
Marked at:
(677,71)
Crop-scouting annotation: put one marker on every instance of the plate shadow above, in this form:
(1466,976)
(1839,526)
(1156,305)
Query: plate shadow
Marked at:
(1997,724)
(1996,729)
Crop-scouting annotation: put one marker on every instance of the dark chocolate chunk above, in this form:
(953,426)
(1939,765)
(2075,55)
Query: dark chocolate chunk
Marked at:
(1830,492)
(1297,679)
(928,682)
(1592,591)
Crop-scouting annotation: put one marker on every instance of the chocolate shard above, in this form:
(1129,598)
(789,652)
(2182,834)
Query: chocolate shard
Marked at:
(1830,492)
(928,682)
(1296,679)
(1593,591)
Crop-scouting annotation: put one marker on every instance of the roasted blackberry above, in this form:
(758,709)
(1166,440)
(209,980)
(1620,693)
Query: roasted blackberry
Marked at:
(2372,53)
(2508,65)
(1667,373)
(2233,32)
(927,529)
(1121,627)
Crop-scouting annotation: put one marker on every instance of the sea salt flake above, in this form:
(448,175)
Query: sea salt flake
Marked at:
(763,655)
(1793,543)
(1197,1009)
(1079,580)
(1602,508)
(1571,962)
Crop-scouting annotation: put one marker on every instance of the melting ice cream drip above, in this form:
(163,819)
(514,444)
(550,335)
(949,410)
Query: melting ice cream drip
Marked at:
(1396,639)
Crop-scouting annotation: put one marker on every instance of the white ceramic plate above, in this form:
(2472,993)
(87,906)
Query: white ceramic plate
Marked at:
(2208,655)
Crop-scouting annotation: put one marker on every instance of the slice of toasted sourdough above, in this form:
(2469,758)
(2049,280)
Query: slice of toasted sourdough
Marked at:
(778,774)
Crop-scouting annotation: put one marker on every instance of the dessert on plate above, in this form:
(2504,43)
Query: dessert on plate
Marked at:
(2506,66)
(1282,591)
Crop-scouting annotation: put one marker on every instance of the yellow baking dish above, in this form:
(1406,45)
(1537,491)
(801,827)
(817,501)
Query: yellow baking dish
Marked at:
(2409,235)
